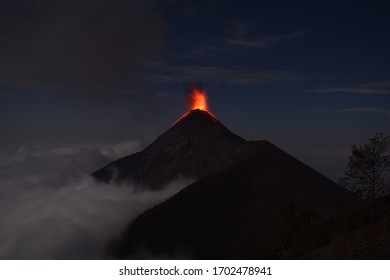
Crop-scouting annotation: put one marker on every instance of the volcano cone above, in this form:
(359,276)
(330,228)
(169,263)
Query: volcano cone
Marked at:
(196,145)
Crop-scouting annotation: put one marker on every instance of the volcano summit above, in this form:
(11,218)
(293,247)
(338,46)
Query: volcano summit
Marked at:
(196,145)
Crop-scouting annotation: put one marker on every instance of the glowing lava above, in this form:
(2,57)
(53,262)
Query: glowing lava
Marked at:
(197,100)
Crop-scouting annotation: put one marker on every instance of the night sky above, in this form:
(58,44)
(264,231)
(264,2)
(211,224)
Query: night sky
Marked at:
(310,76)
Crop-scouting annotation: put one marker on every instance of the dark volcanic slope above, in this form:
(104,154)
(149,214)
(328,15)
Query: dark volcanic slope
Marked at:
(195,146)
(268,205)
(364,234)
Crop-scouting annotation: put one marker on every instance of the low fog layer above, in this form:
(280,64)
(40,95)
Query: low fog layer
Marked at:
(51,208)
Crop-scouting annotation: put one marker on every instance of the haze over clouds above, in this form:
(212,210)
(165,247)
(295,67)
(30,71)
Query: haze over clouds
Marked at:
(51,208)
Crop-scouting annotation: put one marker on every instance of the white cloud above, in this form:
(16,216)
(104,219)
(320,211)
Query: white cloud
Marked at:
(120,149)
(51,208)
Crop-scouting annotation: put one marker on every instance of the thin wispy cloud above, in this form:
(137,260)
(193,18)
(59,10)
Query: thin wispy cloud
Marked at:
(359,90)
(379,88)
(199,51)
(359,110)
(265,42)
(235,41)
(232,76)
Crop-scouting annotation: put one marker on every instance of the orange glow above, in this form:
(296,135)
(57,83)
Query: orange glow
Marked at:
(197,99)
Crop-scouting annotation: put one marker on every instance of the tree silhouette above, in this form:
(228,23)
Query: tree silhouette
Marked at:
(368,172)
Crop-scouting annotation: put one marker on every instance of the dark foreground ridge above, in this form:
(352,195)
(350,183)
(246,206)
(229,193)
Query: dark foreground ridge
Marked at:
(363,234)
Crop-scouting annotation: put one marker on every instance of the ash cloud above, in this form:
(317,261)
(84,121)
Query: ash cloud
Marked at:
(51,208)
(77,46)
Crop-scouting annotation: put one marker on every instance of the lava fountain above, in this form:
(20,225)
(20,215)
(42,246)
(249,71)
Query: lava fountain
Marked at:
(197,100)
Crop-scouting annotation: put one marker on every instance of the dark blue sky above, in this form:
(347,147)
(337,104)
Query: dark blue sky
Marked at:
(310,76)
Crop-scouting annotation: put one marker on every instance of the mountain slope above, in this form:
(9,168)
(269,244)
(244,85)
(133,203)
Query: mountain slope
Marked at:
(363,234)
(196,145)
(266,205)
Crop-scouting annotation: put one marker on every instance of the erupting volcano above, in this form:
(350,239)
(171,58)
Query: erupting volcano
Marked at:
(245,203)
(197,144)
(197,100)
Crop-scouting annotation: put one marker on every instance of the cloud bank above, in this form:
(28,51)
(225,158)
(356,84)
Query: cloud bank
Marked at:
(51,208)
